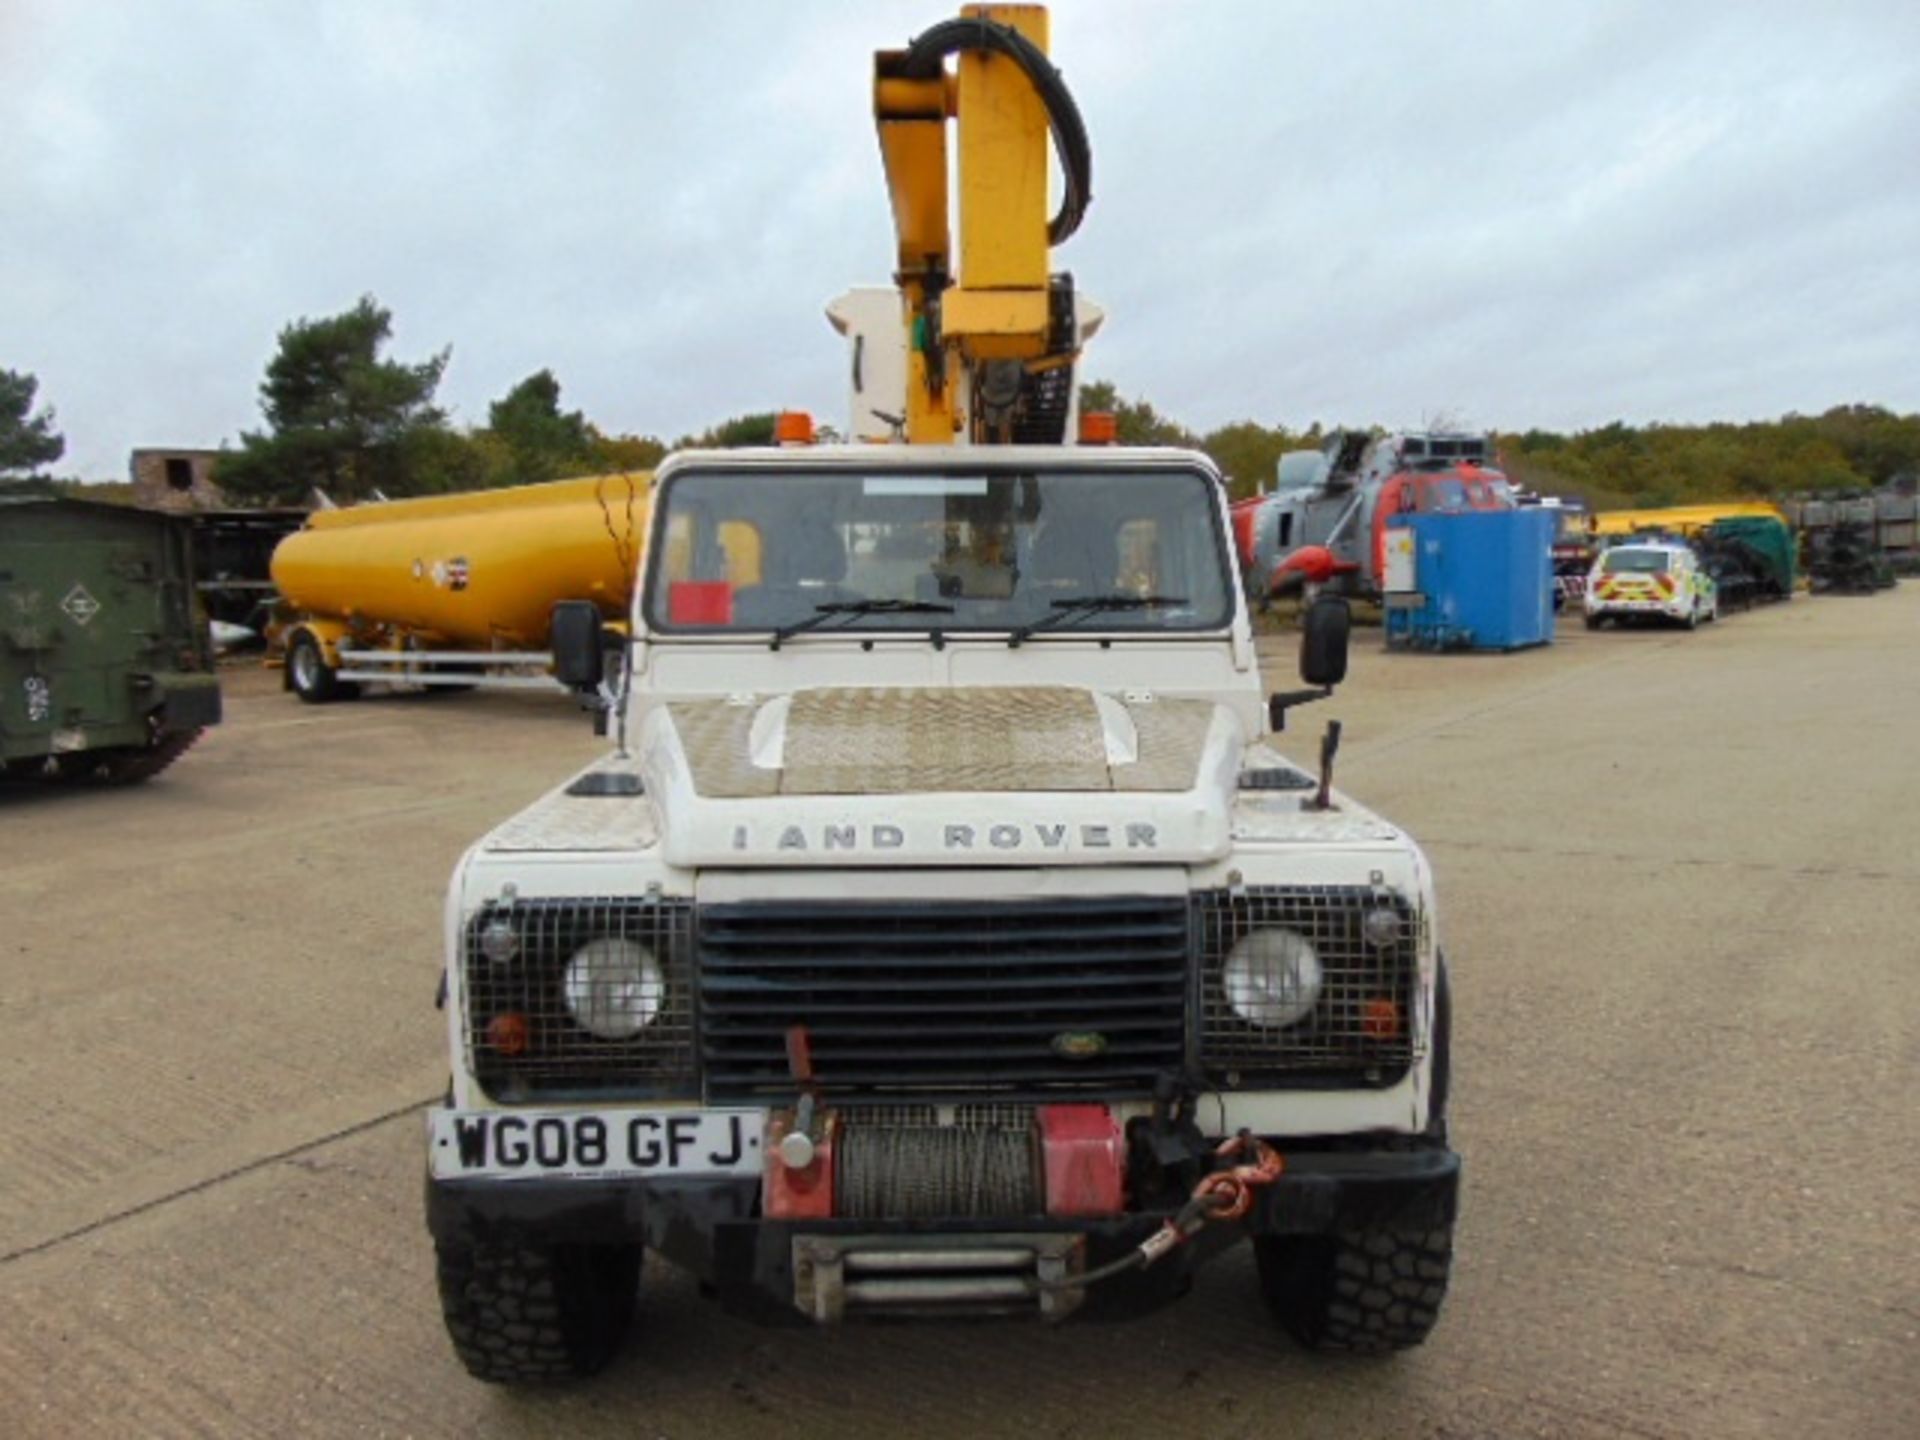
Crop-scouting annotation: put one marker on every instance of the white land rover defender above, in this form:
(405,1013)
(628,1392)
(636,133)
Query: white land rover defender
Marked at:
(943,937)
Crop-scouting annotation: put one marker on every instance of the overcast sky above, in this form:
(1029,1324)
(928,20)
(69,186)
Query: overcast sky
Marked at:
(1514,215)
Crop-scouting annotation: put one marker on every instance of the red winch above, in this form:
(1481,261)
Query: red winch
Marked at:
(1065,1161)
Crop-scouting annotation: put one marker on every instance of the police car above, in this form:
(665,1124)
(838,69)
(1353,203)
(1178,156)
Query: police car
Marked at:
(1660,579)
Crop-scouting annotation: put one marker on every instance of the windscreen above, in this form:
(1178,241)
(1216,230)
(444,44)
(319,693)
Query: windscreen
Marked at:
(1637,562)
(1442,496)
(927,550)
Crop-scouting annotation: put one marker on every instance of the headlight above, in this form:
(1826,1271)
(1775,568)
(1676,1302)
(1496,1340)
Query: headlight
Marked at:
(614,988)
(1272,978)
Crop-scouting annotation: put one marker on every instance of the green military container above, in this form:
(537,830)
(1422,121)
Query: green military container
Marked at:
(106,669)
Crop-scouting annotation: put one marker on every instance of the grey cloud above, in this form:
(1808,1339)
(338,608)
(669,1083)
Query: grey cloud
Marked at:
(1529,215)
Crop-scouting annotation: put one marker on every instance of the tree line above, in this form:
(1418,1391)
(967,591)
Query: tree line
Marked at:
(1614,466)
(343,418)
(346,420)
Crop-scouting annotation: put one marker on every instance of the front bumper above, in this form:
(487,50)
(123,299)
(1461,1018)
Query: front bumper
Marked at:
(713,1227)
(190,700)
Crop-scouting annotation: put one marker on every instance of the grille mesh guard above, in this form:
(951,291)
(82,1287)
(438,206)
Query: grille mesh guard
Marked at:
(1351,1033)
(925,1001)
(560,1058)
(969,999)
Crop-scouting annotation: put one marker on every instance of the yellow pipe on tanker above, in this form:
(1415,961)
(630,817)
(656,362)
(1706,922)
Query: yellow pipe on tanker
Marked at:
(476,571)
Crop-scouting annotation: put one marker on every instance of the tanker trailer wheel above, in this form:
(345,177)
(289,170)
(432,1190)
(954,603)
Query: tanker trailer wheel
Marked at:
(524,1315)
(310,677)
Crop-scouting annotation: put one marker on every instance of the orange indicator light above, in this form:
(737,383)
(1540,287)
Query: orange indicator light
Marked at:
(508,1033)
(1380,1019)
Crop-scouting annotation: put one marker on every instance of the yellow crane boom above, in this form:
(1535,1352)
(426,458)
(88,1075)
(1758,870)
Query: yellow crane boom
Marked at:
(991,340)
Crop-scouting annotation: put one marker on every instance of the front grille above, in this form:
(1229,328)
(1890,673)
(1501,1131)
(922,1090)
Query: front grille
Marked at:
(1017,998)
(560,1058)
(1363,1026)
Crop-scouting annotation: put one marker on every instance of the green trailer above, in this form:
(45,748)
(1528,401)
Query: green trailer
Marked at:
(106,668)
(1767,548)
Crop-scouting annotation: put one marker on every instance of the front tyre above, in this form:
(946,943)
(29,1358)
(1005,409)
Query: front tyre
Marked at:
(1365,1291)
(525,1315)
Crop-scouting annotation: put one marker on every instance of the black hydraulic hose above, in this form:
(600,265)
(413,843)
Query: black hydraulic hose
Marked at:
(926,56)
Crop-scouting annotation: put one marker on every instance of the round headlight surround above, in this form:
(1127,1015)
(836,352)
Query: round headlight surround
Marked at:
(1382,927)
(614,988)
(499,941)
(1272,978)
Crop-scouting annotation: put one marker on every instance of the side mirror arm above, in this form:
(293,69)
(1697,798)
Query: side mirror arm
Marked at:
(1278,705)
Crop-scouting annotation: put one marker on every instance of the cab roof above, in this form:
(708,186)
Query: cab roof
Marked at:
(773,459)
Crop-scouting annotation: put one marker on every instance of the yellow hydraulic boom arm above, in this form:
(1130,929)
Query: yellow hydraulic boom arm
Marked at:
(990,342)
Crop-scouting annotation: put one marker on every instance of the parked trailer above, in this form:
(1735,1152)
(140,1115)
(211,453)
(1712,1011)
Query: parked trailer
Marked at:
(1887,519)
(1751,556)
(1843,559)
(1680,519)
(106,669)
(454,590)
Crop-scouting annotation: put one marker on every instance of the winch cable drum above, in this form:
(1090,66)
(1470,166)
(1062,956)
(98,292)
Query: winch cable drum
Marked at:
(926,55)
(930,1172)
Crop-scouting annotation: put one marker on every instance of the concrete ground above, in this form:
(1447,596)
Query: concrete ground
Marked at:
(1678,877)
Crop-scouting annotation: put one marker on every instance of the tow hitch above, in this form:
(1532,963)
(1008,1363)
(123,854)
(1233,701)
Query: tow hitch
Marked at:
(1222,1195)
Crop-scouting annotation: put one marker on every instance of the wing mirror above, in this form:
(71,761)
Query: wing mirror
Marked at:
(579,659)
(1325,629)
(1324,632)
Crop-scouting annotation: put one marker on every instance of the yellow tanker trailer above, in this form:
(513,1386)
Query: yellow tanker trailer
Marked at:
(453,590)
(1682,519)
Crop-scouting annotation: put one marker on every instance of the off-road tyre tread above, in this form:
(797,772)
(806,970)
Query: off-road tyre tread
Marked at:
(1366,1292)
(133,766)
(526,1316)
(123,765)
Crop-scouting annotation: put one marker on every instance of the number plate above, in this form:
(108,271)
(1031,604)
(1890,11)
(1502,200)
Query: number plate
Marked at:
(586,1144)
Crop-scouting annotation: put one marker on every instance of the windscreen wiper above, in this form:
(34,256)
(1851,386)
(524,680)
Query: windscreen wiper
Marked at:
(850,608)
(1079,607)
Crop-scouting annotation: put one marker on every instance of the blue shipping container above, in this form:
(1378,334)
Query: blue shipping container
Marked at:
(1482,580)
